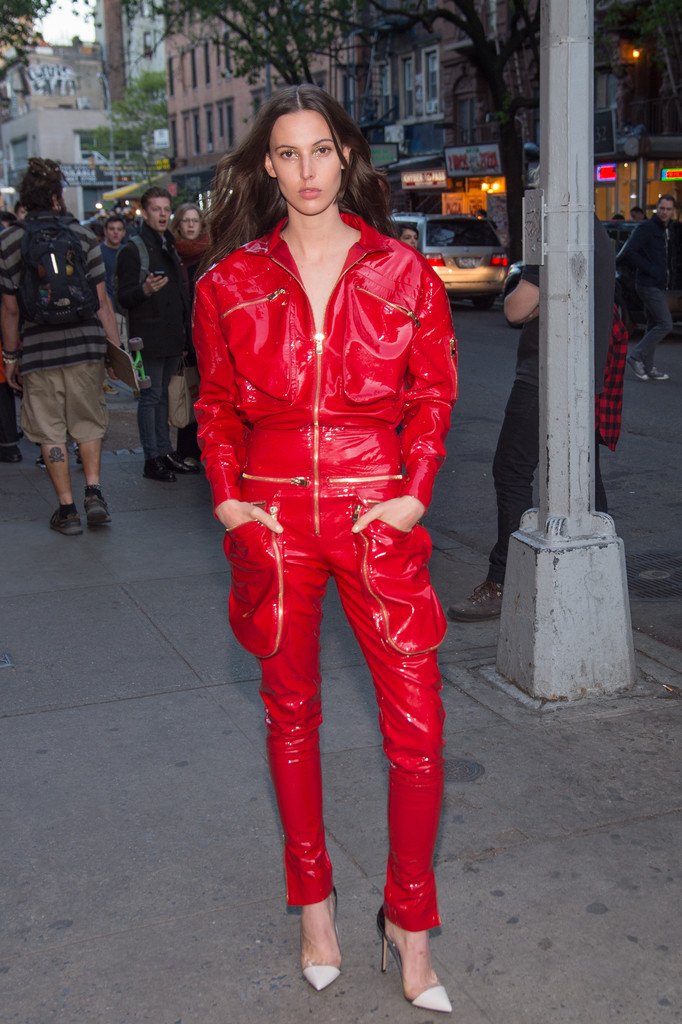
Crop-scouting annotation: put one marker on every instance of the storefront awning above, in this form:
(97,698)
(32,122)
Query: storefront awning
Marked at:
(136,188)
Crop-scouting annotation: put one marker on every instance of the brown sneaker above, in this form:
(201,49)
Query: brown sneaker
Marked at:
(484,603)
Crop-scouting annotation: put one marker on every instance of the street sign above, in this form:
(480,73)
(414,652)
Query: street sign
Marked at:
(384,153)
(473,161)
(161,138)
(604,132)
(84,174)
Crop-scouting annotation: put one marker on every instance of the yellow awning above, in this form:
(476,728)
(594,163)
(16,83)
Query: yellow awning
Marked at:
(135,188)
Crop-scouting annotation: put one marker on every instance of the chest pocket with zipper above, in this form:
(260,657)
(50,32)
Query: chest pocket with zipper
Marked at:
(378,337)
(258,332)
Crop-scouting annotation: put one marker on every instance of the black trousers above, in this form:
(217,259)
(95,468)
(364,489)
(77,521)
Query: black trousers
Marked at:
(9,434)
(516,460)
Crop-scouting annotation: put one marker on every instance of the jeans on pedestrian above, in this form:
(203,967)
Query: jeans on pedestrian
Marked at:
(152,408)
(659,323)
(516,460)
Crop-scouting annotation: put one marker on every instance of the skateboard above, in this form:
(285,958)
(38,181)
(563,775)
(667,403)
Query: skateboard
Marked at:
(127,369)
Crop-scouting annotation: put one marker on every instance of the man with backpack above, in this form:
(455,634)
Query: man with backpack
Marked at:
(152,289)
(56,317)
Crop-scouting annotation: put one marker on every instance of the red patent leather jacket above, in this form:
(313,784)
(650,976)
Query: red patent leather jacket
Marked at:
(386,357)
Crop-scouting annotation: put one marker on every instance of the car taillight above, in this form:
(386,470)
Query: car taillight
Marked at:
(499,259)
(435,259)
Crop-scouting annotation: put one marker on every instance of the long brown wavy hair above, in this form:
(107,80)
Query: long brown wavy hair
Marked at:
(246,202)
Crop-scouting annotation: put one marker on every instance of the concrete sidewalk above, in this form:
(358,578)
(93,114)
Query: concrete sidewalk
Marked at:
(141,848)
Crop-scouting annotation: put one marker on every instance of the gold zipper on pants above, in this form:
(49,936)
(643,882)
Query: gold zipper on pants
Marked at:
(382,607)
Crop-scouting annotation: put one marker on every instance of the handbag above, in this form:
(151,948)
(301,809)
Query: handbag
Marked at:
(183,391)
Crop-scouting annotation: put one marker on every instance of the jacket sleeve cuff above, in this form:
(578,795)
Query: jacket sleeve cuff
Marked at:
(419,483)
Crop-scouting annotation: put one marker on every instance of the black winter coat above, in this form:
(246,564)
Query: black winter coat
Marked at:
(162,320)
(652,252)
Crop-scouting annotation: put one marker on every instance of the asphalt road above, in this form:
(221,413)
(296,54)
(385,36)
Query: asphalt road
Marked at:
(642,478)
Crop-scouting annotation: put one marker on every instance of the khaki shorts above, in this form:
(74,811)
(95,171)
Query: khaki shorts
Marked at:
(68,399)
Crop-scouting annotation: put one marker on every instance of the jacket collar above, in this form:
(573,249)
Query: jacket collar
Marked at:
(275,246)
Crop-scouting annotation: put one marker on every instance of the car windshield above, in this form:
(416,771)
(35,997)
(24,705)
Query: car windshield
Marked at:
(459,231)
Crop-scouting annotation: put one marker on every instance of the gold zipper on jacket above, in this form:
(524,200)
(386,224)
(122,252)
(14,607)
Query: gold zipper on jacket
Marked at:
(363,479)
(254,302)
(297,481)
(318,339)
(391,305)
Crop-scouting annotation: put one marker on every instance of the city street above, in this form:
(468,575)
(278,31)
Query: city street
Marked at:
(642,478)
(141,846)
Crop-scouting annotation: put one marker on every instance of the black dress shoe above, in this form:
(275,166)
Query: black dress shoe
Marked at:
(156,469)
(10,454)
(176,462)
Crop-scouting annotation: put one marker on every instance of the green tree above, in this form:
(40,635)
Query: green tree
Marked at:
(494,58)
(135,117)
(16,29)
(287,36)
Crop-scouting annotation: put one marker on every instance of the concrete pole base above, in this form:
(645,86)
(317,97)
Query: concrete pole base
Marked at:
(565,630)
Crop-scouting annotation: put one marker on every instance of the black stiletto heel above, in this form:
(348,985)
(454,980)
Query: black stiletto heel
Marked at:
(435,998)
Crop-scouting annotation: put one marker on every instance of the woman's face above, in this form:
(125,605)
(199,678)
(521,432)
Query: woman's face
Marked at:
(190,225)
(304,160)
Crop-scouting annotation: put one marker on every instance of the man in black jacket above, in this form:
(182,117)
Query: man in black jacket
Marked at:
(651,252)
(159,313)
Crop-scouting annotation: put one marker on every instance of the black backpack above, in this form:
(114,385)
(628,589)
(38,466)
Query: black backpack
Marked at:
(54,286)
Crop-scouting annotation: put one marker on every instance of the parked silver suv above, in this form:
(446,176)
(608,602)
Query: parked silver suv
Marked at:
(465,252)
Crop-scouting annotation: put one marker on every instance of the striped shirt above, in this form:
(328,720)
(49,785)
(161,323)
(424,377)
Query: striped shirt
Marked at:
(44,346)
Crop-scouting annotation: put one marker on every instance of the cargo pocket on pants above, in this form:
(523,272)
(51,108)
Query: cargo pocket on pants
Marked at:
(393,568)
(256,606)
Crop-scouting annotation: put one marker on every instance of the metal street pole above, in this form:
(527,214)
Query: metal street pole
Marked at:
(112,153)
(565,630)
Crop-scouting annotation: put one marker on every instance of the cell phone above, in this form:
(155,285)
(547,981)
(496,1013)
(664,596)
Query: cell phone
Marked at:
(158,273)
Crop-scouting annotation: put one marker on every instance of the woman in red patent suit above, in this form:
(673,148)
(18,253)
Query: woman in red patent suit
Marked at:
(327,363)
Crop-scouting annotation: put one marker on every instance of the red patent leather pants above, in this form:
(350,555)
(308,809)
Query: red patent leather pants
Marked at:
(407,689)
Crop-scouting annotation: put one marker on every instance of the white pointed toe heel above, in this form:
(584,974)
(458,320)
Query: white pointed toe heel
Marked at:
(322,975)
(435,998)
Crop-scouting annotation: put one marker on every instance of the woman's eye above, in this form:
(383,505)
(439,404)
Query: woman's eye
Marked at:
(287,153)
(323,150)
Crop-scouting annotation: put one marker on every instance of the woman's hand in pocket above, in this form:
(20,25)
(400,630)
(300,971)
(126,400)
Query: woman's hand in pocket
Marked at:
(401,513)
(233,513)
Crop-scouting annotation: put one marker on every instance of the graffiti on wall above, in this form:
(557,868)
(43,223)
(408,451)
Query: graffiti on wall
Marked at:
(52,80)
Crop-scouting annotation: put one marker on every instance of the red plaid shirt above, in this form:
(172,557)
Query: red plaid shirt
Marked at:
(608,405)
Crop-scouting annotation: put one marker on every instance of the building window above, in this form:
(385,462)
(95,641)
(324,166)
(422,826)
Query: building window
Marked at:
(349,93)
(408,87)
(207,63)
(209,129)
(221,122)
(196,132)
(467,121)
(147,47)
(229,124)
(171,79)
(431,81)
(228,55)
(174,137)
(385,86)
(185,134)
(193,66)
